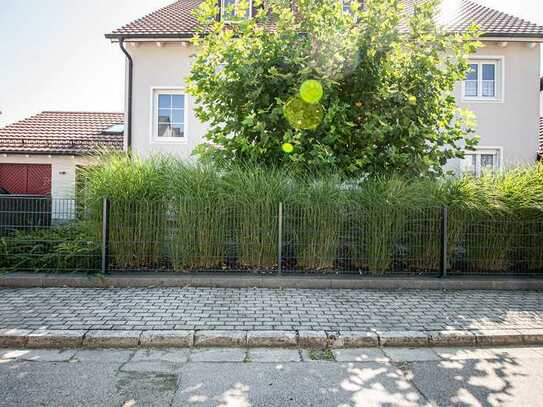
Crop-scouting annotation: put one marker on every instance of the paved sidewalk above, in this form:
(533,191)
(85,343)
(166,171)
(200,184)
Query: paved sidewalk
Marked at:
(268,309)
(201,317)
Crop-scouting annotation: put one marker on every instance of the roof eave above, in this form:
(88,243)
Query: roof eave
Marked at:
(118,36)
(60,153)
(190,35)
(525,36)
(64,153)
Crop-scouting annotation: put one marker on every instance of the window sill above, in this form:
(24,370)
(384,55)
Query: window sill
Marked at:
(239,21)
(480,100)
(169,140)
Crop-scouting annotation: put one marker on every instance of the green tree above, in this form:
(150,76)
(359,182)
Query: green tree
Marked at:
(388,77)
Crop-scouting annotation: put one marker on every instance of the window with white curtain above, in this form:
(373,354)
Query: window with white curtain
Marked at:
(483,81)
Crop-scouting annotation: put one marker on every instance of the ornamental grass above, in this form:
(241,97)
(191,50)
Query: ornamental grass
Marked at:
(167,214)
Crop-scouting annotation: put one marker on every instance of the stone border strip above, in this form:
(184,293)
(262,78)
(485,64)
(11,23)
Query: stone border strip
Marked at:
(157,339)
(112,339)
(248,280)
(272,339)
(55,339)
(210,339)
(260,339)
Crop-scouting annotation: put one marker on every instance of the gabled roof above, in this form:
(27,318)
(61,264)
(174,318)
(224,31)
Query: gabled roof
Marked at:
(459,15)
(74,133)
(177,21)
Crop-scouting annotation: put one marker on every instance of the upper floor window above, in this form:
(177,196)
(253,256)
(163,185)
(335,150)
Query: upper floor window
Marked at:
(235,10)
(346,5)
(169,118)
(481,161)
(483,81)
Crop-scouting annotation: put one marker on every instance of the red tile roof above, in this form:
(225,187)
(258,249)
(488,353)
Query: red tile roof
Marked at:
(177,21)
(75,133)
(459,15)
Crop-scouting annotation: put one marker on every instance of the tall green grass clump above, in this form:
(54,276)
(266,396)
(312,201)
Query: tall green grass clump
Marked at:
(495,221)
(254,195)
(371,222)
(197,235)
(513,239)
(315,220)
(137,190)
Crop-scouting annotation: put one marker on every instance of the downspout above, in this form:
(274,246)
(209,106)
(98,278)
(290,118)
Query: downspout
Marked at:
(129,101)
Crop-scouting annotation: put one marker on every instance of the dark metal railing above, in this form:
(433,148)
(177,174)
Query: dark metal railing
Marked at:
(44,234)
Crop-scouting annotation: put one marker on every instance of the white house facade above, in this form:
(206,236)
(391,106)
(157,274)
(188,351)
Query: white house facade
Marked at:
(502,88)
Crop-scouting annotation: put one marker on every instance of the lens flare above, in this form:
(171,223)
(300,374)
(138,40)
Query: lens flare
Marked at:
(288,148)
(311,91)
(303,115)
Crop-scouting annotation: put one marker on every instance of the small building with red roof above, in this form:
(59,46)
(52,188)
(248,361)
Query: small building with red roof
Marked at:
(41,155)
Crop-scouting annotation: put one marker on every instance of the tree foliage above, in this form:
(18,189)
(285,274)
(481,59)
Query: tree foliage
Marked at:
(388,76)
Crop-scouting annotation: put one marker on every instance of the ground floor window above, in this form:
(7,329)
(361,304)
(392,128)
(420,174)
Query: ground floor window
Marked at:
(481,161)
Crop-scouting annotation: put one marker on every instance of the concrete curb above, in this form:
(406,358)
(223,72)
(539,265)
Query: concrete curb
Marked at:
(212,339)
(222,280)
(281,339)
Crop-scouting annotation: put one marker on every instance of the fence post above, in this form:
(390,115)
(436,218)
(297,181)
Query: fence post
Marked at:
(444,241)
(105,236)
(280,238)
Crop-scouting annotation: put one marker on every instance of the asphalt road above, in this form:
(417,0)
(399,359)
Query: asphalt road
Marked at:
(272,377)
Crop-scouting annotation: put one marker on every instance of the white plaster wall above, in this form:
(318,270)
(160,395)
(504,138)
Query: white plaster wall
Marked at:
(514,123)
(541,104)
(161,67)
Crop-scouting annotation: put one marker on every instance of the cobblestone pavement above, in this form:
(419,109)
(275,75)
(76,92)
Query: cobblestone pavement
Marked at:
(267,309)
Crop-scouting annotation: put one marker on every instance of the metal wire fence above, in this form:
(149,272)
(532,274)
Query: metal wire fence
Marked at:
(361,240)
(49,235)
(56,235)
(500,242)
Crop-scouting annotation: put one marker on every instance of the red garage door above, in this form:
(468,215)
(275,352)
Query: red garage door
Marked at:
(33,179)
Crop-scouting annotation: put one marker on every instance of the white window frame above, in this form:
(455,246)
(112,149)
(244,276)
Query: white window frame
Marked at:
(237,19)
(496,151)
(345,3)
(156,91)
(499,80)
